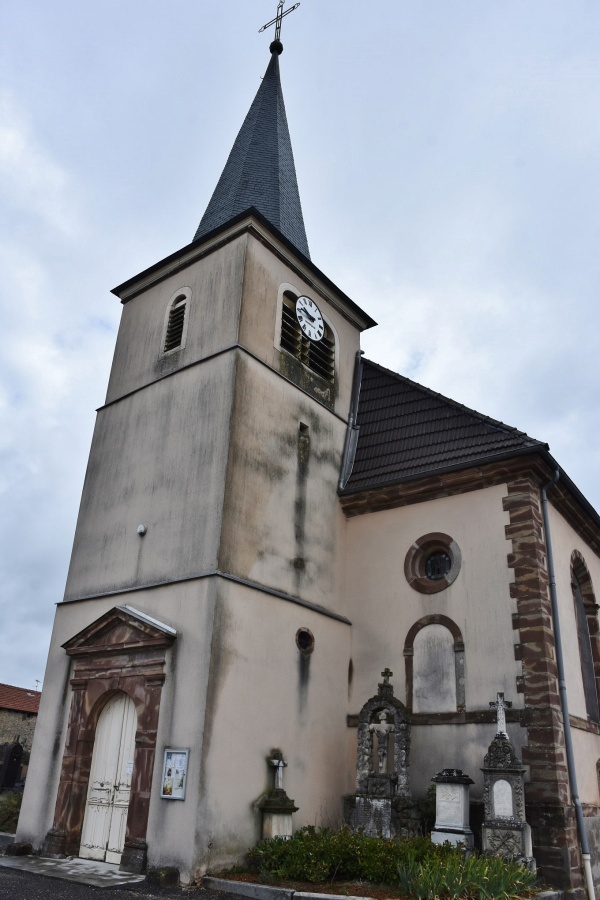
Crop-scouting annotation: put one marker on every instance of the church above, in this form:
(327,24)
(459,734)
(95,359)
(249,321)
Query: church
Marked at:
(268,521)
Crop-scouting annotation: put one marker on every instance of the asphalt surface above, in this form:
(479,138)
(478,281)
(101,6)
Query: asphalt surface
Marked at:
(19,885)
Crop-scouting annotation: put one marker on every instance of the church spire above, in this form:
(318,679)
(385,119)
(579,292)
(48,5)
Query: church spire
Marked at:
(260,170)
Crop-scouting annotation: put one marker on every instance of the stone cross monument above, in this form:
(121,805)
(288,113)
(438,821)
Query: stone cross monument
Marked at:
(504,832)
(501,705)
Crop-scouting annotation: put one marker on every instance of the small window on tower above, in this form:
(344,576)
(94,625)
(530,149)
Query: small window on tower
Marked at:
(175,324)
(306,336)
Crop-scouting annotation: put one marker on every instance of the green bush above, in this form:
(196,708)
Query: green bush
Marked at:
(10,804)
(415,866)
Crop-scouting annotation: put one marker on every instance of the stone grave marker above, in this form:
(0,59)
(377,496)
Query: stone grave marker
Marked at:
(452,808)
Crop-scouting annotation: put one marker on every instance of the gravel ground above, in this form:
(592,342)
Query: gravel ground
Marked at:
(19,885)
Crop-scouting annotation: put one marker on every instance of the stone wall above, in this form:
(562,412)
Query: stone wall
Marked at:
(15,725)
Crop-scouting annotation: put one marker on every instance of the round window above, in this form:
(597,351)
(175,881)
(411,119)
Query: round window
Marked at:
(437,565)
(432,563)
(305,640)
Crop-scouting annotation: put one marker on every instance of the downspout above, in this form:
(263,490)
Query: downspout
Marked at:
(352,428)
(562,687)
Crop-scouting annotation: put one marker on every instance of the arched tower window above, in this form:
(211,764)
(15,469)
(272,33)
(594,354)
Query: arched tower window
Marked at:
(175,328)
(587,633)
(319,356)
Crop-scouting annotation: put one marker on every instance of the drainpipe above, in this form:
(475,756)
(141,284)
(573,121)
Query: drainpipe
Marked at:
(562,686)
(352,429)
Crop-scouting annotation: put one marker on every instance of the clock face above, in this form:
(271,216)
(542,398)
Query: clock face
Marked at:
(310,318)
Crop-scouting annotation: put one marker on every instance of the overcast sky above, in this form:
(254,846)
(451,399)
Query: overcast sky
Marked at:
(447,158)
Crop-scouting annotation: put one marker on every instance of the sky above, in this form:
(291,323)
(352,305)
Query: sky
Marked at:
(447,159)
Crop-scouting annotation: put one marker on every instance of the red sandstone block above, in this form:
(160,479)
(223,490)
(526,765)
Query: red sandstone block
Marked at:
(536,649)
(541,737)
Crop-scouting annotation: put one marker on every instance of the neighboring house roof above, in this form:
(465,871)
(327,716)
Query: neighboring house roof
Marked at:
(260,170)
(408,431)
(19,699)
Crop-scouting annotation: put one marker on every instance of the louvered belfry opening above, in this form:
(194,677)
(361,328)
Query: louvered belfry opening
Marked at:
(319,356)
(174,335)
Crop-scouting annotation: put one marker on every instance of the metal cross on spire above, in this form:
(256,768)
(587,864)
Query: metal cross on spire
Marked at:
(277,20)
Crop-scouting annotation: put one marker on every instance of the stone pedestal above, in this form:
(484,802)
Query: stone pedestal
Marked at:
(452,808)
(505,832)
(277,809)
(276,806)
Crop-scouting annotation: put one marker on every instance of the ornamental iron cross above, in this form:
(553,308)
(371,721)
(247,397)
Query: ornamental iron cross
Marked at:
(501,705)
(277,20)
(387,674)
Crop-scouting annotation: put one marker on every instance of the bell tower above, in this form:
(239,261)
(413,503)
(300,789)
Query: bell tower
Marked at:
(210,520)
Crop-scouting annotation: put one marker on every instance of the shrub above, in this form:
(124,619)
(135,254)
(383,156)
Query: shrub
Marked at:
(10,804)
(415,866)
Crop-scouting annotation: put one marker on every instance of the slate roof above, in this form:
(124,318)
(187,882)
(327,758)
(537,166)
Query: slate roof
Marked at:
(260,170)
(19,699)
(408,431)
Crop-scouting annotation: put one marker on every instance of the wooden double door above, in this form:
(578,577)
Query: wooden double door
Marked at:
(105,820)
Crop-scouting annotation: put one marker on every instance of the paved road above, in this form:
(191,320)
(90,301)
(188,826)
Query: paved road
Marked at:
(19,885)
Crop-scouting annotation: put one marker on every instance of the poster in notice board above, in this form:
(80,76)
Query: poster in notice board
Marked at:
(174,777)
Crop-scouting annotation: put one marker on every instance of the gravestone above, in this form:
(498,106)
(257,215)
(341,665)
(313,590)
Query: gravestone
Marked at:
(11,756)
(276,806)
(382,805)
(452,808)
(505,832)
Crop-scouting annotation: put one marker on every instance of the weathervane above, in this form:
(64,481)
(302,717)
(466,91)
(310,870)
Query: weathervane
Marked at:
(277,20)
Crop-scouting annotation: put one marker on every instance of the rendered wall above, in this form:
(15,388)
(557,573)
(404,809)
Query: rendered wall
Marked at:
(158,458)
(383,606)
(216,286)
(265,694)
(281,520)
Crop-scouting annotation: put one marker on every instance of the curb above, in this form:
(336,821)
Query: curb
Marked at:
(264,892)
(247,889)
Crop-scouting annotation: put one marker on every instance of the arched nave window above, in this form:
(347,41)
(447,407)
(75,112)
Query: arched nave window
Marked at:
(434,654)
(587,633)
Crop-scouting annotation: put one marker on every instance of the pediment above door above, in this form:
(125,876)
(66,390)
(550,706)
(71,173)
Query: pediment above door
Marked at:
(123,628)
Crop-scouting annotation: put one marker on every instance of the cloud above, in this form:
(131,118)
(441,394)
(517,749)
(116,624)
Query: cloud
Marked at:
(54,345)
(30,181)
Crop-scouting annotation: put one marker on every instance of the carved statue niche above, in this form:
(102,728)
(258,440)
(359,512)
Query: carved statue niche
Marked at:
(381,770)
(382,804)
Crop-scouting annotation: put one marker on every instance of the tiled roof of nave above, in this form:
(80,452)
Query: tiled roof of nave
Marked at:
(407,430)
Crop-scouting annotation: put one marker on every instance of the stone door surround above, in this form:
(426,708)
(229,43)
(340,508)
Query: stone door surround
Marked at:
(122,651)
